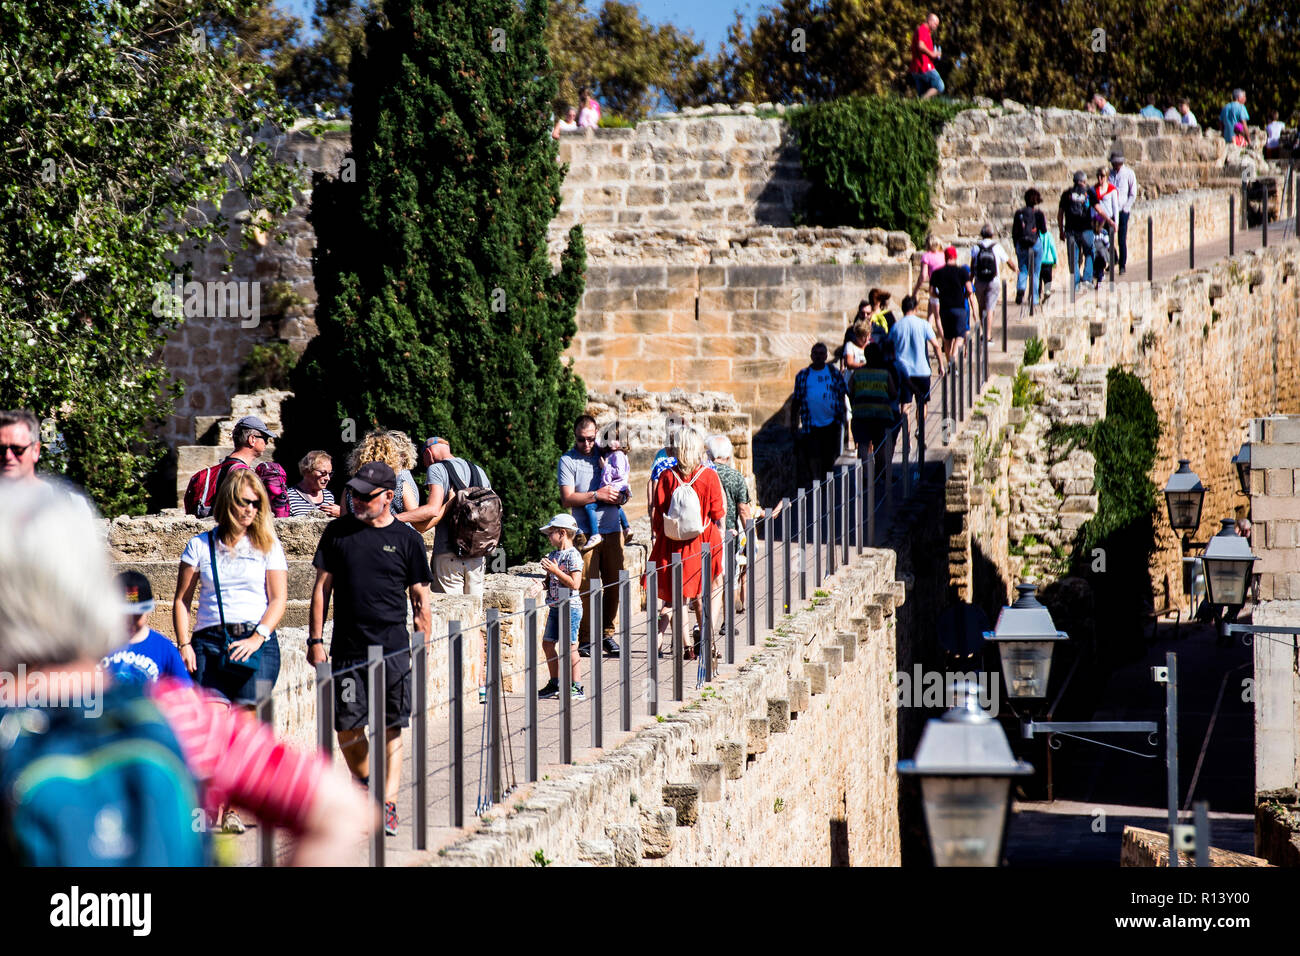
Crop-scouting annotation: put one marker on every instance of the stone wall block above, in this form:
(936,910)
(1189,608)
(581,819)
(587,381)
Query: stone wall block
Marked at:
(800,695)
(708,778)
(818,675)
(732,754)
(684,800)
(596,852)
(778,714)
(658,825)
(626,840)
(757,730)
(849,643)
(834,657)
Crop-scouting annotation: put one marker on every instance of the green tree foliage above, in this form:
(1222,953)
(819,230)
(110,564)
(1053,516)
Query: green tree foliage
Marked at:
(625,58)
(1053,54)
(871,160)
(122,127)
(437,306)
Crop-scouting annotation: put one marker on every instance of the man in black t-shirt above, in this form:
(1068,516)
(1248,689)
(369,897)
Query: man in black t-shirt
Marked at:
(370,563)
(951,285)
(1074,224)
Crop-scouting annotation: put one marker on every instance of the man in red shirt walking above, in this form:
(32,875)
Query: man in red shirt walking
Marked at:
(925,77)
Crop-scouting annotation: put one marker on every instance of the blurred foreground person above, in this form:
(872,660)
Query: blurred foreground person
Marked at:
(101,773)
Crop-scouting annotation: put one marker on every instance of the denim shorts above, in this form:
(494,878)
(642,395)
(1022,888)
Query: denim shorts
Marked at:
(926,80)
(240,691)
(552,633)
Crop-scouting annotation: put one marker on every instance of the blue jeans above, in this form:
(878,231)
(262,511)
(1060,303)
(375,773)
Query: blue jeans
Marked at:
(1082,251)
(552,632)
(1030,259)
(239,689)
(593,518)
(926,80)
(1123,240)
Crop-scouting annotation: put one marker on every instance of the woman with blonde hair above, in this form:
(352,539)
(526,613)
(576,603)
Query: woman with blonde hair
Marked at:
(243,580)
(693,469)
(396,451)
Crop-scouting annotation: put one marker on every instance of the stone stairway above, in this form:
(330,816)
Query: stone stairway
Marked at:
(212,435)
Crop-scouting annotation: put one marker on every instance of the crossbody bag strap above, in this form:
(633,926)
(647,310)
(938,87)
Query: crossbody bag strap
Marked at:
(216,579)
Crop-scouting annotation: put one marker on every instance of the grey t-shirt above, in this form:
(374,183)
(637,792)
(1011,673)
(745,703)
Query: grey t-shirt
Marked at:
(582,473)
(437,475)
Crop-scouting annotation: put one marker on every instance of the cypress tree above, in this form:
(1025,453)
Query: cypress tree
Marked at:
(437,309)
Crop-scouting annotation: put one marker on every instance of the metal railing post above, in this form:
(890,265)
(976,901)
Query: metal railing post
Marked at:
(816,534)
(530,689)
(1264,212)
(596,634)
(861,511)
(969,355)
(652,638)
(1191,237)
(1201,818)
(325,707)
(1151,241)
(678,637)
(564,652)
(770,569)
(420,741)
(844,516)
(1171,749)
(493,715)
(729,597)
(1076,268)
(800,504)
(871,500)
(943,387)
(625,657)
(265,830)
(456,714)
(1004,325)
(828,512)
(1232,226)
(907,459)
(376,692)
(705,648)
(786,531)
(751,586)
(960,380)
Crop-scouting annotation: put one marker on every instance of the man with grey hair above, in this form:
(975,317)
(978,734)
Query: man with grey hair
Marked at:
(250,438)
(735,491)
(1233,112)
(20,445)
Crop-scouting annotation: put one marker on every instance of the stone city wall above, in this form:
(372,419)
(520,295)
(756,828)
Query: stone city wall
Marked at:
(988,158)
(1214,347)
(790,762)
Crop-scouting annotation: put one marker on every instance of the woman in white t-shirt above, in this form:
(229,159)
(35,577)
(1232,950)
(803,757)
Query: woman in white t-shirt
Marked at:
(589,118)
(254,586)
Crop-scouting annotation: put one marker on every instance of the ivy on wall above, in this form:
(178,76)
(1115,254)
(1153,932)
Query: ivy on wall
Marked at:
(871,161)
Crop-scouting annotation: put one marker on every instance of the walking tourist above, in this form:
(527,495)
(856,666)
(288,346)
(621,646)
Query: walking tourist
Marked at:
(1105,213)
(567,123)
(244,588)
(931,262)
(987,258)
(735,491)
(1102,105)
(589,110)
(687,512)
(1151,111)
(1074,225)
(1234,111)
(579,477)
(1126,187)
(395,450)
(312,494)
(874,392)
(147,655)
(1028,227)
(250,438)
(910,337)
(371,564)
(1185,114)
(819,413)
(951,287)
(925,77)
(563,567)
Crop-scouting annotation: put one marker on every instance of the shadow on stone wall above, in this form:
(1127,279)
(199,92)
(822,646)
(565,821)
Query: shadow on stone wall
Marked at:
(774,461)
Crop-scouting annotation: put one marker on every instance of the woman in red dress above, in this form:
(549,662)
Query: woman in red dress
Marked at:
(692,468)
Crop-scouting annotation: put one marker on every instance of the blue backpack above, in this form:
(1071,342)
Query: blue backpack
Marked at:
(80,787)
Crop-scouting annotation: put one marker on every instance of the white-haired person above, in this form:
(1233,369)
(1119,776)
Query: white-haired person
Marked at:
(312,494)
(736,491)
(245,583)
(60,613)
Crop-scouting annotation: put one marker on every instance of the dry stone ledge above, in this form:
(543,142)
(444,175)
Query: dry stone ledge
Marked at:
(800,695)
(757,730)
(834,657)
(684,799)
(818,675)
(732,755)
(658,825)
(626,839)
(885,601)
(849,642)
(708,777)
(778,714)
(596,852)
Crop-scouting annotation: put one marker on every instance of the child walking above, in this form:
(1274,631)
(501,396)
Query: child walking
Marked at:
(563,567)
(614,473)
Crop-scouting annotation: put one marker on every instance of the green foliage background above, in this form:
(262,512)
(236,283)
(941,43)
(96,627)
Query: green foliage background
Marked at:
(121,127)
(438,312)
(872,160)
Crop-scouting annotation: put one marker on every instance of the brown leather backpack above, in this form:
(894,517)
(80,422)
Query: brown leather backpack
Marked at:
(476,514)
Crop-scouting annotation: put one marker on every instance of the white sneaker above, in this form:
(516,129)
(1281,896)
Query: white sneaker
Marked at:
(592,542)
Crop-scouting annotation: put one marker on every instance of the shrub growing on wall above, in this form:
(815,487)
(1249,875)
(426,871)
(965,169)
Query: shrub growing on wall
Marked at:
(437,307)
(872,160)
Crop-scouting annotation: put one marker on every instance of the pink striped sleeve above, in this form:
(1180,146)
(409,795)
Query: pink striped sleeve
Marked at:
(238,759)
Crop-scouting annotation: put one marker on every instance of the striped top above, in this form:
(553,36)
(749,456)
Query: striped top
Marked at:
(300,504)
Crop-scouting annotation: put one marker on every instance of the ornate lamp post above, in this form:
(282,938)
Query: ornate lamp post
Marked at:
(1184,496)
(1026,637)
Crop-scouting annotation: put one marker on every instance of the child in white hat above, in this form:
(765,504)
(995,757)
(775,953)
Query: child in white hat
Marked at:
(563,567)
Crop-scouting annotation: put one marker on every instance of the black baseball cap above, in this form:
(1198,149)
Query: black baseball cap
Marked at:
(137,595)
(373,476)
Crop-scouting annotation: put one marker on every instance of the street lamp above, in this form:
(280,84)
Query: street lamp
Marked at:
(1025,637)
(965,765)
(1228,564)
(1242,461)
(1184,496)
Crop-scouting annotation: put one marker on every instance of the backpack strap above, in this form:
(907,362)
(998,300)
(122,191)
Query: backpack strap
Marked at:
(454,479)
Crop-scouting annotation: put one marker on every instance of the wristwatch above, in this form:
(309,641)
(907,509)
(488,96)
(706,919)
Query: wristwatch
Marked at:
(312,641)
(264,631)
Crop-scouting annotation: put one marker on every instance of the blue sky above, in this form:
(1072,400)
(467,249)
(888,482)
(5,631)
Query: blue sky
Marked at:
(707,19)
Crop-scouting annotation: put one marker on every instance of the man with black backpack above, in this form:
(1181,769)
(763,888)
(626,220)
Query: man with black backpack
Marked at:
(987,257)
(1074,222)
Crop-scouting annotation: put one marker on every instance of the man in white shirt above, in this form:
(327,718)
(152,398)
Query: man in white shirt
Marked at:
(986,269)
(1188,118)
(1125,183)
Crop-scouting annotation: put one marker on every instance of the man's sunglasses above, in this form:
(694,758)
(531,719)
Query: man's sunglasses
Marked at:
(17,450)
(358,496)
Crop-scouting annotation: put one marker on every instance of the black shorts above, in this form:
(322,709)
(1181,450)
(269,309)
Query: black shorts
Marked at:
(955,323)
(351,691)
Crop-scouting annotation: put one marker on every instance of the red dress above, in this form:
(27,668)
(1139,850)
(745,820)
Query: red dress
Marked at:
(714,508)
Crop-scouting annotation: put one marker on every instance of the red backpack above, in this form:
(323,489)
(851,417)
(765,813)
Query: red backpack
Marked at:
(201,492)
(277,487)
